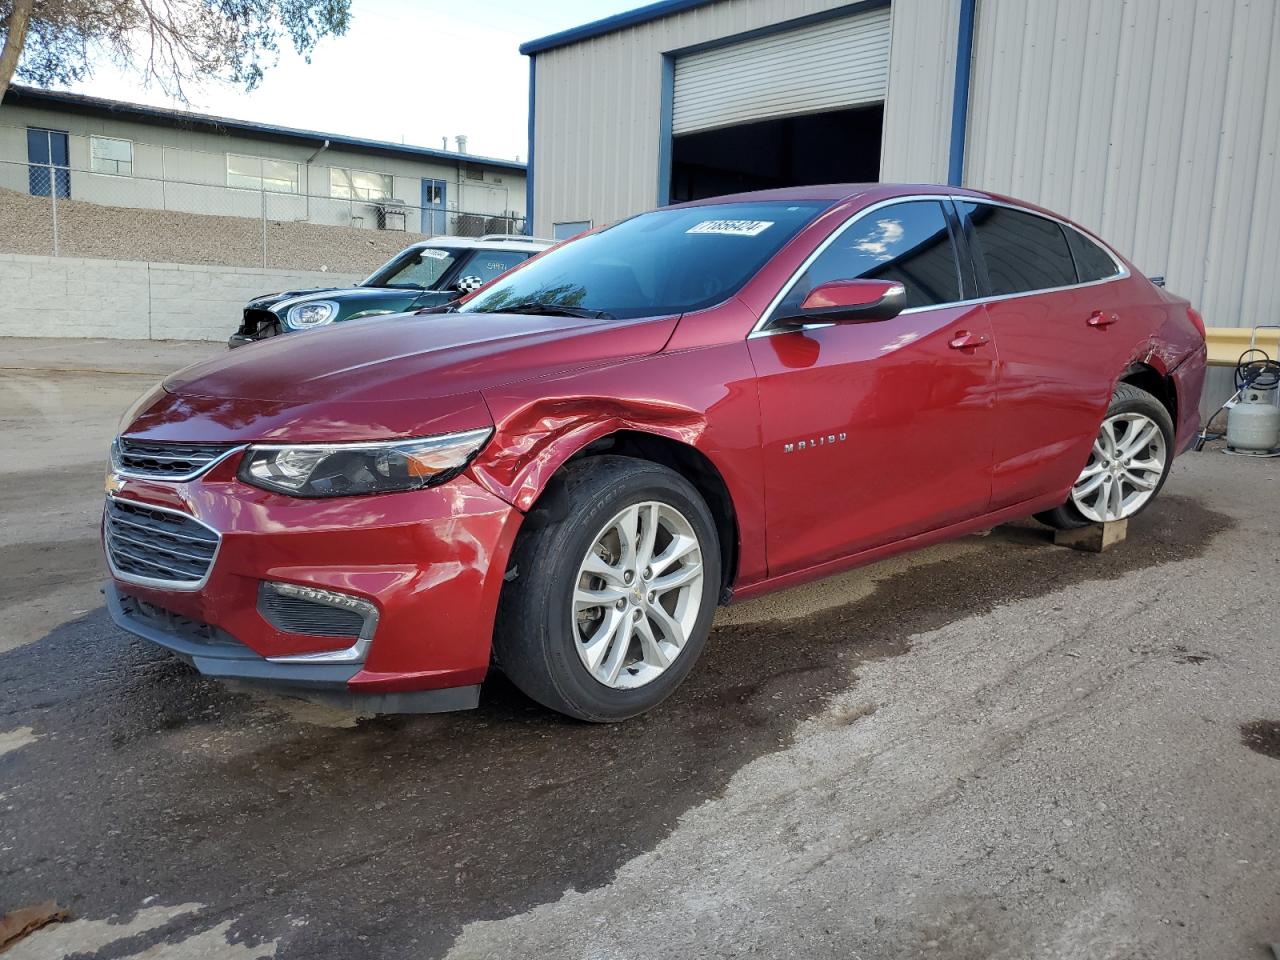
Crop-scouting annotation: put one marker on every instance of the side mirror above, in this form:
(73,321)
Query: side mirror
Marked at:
(848,301)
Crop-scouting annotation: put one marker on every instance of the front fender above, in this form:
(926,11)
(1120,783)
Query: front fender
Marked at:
(704,399)
(536,440)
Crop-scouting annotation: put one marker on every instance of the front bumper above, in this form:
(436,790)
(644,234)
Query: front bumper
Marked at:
(431,562)
(239,339)
(257,325)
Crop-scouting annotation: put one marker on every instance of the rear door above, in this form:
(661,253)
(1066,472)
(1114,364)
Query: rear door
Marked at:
(873,432)
(1062,344)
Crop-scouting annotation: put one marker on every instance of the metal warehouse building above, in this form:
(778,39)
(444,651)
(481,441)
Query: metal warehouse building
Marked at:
(1154,122)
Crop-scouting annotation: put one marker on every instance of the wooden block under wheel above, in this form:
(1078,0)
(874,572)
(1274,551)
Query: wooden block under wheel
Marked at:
(1094,538)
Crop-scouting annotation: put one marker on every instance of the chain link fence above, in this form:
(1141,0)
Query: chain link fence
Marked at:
(65,211)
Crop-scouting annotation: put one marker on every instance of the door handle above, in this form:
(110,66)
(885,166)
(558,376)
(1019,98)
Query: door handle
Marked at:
(964,340)
(1100,319)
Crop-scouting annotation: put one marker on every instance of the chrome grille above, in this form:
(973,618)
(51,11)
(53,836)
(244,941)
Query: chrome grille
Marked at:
(155,545)
(164,460)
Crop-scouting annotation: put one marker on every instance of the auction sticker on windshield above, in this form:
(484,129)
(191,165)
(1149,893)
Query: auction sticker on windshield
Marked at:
(434,254)
(732,228)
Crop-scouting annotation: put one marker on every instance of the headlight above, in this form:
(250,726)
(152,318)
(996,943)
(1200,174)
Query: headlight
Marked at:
(351,469)
(314,313)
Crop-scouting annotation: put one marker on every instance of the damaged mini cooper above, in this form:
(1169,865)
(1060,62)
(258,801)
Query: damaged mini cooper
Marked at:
(564,475)
(426,274)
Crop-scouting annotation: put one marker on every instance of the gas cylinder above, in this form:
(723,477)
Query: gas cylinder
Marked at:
(1253,424)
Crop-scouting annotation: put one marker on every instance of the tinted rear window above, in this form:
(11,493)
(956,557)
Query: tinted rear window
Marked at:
(1022,251)
(1092,262)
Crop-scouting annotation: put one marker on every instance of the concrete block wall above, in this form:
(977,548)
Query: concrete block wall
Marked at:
(132,300)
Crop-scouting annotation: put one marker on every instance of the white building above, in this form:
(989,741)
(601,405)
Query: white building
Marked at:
(1154,122)
(134,156)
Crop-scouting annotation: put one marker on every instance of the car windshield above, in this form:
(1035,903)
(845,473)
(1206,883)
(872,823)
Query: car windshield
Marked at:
(658,263)
(418,268)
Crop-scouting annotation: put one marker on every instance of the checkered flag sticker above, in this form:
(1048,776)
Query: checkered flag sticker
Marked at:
(469,284)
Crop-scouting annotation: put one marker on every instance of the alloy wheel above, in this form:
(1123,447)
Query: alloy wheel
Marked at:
(637,595)
(1128,459)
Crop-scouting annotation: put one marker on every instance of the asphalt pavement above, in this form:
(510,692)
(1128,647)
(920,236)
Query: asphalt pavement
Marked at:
(994,748)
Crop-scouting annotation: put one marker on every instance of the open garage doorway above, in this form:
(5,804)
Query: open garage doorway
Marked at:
(842,146)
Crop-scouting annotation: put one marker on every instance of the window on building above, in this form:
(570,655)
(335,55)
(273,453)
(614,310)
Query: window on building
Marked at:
(474,173)
(908,242)
(569,228)
(260,173)
(1092,262)
(433,193)
(346,184)
(48,164)
(1022,251)
(109,155)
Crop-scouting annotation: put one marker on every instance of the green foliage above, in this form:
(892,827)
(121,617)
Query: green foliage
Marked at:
(172,43)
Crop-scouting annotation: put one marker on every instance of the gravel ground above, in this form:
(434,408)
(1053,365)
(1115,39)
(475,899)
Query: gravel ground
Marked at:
(168,236)
(994,748)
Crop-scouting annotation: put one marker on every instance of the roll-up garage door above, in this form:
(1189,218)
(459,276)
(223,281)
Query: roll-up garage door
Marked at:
(826,66)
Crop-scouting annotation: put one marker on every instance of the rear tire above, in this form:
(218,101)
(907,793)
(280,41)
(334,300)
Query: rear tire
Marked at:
(1127,467)
(611,590)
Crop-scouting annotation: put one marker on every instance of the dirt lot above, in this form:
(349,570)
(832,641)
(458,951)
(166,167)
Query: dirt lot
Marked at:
(995,748)
(171,236)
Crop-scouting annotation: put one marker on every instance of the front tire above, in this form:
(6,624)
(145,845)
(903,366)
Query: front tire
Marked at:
(1127,466)
(611,590)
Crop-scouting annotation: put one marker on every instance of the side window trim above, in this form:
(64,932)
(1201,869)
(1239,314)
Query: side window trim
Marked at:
(982,294)
(969,288)
(976,255)
(1085,238)
(980,264)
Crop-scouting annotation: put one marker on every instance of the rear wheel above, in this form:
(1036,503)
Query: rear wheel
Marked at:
(611,590)
(1127,466)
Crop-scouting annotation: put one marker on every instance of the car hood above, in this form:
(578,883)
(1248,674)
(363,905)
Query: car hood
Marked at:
(268,300)
(352,299)
(417,357)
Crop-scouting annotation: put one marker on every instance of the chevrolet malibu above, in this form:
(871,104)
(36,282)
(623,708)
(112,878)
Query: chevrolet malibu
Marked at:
(565,474)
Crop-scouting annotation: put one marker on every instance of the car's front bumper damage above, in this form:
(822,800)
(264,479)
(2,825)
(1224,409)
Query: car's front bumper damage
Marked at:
(385,603)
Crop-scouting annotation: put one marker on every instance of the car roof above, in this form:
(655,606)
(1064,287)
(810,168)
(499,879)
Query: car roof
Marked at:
(488,242)
(836,192)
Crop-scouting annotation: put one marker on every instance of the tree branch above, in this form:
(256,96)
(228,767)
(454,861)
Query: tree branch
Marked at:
(14,38)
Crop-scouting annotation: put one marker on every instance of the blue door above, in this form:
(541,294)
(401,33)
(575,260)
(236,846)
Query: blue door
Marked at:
(48,162)
(434,218)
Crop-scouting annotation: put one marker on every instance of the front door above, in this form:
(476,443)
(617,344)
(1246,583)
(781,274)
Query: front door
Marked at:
(873,432)
(434,218)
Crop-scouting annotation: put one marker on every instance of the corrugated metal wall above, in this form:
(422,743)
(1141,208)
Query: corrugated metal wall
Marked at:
(1154,122)
(811,69)
(599,109)
(922,70)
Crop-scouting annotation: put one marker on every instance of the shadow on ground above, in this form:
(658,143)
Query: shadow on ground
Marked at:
(383,840)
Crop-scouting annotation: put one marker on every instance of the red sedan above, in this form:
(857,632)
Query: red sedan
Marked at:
(568,472)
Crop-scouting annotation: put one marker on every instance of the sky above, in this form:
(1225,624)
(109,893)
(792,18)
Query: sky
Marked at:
(405,71)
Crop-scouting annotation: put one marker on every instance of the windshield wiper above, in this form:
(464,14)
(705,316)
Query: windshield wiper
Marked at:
(554,310)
